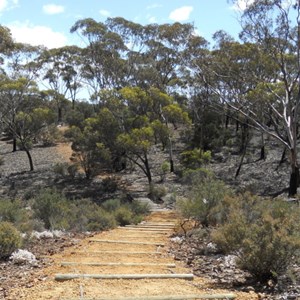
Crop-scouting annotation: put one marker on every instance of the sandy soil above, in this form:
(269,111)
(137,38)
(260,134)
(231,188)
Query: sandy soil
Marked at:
(91,250)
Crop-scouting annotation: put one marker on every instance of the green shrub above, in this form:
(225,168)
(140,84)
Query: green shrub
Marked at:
(49,135)
(124,216)
(156,192)
(91,217)
(13,211)
(194,159)
(10,239)
(264,234)
(139,208)
(111,205)
(61,169)
(53,209)
(66,169)
(202,198)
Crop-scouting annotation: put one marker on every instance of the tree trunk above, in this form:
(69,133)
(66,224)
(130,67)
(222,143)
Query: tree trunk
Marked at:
(30,159)
(148,170)
(294,178)
(262,149)
(14,145)
(171,156)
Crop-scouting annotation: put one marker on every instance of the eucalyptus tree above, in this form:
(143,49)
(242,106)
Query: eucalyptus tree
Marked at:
(18,82)
(61,75)
(6,41)
(103,62)
(275,27)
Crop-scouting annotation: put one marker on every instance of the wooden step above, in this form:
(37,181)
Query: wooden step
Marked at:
(64,277)
(66,263)
(183,297)
(127,242)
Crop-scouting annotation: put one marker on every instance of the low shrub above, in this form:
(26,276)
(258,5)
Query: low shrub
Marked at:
(14,212)
(10,239)
(53,209)
(124,215)
(195,158)
(263,234)
(139,208)
(156,192)
(204,195)
(111,205)
(90,216)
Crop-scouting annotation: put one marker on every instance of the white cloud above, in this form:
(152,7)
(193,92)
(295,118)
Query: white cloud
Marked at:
(53,9)
(151,19)
(3,4)
(241,5)
(181,14)
(37,35)
(154,6)
(8,4)
(104,13)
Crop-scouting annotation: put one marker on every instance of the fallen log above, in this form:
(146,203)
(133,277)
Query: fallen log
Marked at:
(64,277)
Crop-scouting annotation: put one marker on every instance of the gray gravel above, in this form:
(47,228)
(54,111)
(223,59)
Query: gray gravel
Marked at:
(17,162)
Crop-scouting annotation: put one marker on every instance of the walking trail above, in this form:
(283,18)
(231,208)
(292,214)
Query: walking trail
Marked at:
(124,263)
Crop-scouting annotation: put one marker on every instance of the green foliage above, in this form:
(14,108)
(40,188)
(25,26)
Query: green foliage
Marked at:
(57,212)
(88,152)
(91,217)
(264,234)
(156,191)
(53,209)
(13,211)
(165,167)
(66,169)
(126,213)
(111,205)
(10,239)
(49,135)
(124,216)
(194,159)
(139,209)
(203,197)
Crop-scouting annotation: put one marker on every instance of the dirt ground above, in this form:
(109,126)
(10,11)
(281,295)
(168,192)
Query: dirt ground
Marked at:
(119,251)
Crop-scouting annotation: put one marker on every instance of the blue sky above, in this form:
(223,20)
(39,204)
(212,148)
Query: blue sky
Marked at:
(48,22)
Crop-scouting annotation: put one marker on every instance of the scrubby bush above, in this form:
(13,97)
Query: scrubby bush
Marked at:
(60,169)
(156,192)
(10,239)
(66,169)
(204,195)
(139,208)
(264,235)
(165,168)
(195,158)
(49,135)
(111,205)
(124,215)
(14,212)
(53,209)
(91,217)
